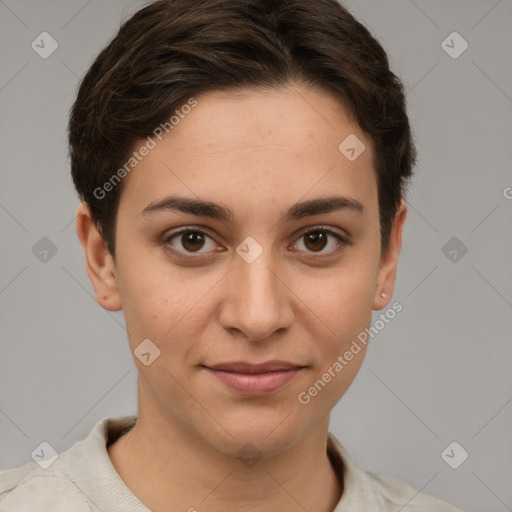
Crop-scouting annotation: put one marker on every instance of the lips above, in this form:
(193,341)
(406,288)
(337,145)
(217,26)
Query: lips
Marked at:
(242,367)
(255,379)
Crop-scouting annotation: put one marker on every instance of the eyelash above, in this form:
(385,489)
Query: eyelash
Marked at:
(342,242)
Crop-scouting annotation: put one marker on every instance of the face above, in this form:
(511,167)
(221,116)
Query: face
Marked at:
(283,264)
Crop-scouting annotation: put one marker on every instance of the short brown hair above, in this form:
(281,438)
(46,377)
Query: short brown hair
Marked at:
(172,50)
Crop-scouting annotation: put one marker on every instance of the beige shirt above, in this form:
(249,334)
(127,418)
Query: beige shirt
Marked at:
(83,479)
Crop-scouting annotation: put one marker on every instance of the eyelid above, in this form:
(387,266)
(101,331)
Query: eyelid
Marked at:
(329,229)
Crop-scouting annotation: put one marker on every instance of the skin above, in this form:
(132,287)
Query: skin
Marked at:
(257,152)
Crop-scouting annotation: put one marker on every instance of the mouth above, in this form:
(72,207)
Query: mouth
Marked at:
(255,379)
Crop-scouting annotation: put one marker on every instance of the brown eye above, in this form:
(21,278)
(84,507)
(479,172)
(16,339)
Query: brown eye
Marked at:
(315,240)
(191,241)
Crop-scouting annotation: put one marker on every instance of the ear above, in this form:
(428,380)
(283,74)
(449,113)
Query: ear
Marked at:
(386,274)
(99,262)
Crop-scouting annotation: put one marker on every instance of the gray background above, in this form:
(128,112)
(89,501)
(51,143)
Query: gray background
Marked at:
(440,372)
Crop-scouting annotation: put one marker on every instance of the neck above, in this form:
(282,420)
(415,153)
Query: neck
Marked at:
(182,472)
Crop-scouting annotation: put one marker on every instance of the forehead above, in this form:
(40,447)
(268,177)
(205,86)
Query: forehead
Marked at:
(273,146)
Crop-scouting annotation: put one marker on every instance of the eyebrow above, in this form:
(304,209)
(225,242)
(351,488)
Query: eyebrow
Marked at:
(296,212)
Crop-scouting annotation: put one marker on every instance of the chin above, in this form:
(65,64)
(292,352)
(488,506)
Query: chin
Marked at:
(269,433)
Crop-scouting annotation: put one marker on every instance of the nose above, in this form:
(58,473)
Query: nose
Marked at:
(257,301)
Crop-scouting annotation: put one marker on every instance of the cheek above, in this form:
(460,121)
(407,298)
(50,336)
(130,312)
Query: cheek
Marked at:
(341,300)
(164,305)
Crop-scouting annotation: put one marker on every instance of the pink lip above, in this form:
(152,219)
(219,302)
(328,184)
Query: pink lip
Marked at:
(255,379)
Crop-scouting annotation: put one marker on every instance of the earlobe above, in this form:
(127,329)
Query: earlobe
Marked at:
(98,260)
(389,260)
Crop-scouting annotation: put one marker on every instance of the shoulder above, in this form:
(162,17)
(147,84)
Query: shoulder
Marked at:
(51,490)
(400,496)
(366,490)
(77,477)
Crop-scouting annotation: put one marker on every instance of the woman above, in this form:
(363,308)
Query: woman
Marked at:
(242,169)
